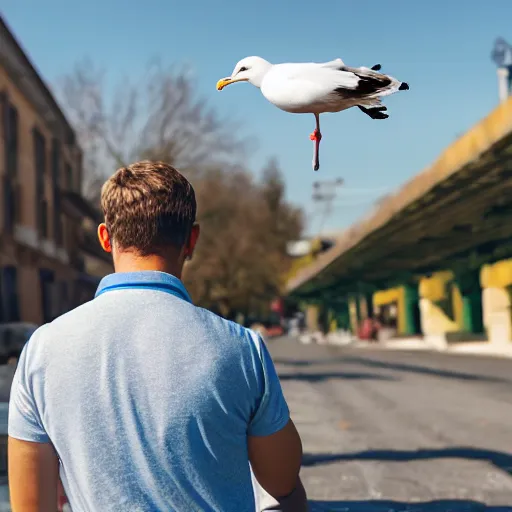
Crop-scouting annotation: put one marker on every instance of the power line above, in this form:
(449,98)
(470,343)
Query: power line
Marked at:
(324,193)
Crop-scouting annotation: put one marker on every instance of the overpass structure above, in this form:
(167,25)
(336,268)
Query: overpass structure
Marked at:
(438,252)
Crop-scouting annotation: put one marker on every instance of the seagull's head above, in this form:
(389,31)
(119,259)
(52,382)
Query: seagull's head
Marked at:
(250,69)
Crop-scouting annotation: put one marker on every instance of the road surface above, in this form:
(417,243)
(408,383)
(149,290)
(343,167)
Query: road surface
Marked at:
(389,431)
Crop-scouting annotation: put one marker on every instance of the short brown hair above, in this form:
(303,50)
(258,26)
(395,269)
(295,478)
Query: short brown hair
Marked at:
(148,206)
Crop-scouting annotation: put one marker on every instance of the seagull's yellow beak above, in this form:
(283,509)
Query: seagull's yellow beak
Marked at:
(227,81)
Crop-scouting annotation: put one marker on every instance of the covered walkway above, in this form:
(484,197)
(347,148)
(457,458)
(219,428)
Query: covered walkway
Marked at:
(438,250)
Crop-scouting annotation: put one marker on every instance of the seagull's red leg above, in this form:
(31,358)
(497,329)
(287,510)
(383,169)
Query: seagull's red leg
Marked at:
(316,136)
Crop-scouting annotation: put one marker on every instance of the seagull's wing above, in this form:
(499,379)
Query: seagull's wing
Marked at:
(331,77)
(336,63)
(309,87)
(314,87)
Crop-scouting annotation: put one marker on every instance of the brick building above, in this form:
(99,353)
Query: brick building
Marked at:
(45,250)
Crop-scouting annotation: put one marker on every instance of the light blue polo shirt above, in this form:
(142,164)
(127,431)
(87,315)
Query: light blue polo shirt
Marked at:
(148,400)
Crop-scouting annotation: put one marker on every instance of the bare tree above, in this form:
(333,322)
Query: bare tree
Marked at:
(241,257)
(242,260)
(160,118)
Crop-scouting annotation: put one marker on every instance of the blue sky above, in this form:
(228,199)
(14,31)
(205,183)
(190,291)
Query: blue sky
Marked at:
(441,48)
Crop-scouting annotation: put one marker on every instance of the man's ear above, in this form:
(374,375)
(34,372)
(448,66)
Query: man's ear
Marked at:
(104,238)
(192,241)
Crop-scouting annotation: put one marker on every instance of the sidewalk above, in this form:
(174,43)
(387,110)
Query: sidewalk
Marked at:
(495,349)
(469,348)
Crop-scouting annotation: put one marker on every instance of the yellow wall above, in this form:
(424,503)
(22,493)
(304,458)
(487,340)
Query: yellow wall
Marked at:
(352,308)
(496,282)
(389,296)
(312,314)
(302,262)
(434,289)
(457,306)
(498,275)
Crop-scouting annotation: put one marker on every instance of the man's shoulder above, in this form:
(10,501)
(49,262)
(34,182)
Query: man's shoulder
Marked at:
(229,328)
(60,326)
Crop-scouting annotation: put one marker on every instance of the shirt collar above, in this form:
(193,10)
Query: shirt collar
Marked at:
(147,279)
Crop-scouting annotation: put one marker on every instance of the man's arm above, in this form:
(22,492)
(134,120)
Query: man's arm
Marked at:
(33,463)
(276,460)
(33,476)
(274,445)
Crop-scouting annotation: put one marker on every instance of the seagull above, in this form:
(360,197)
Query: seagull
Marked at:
(317,88)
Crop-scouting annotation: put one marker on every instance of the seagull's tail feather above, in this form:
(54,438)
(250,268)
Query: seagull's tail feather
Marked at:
(372,84)
(374,109)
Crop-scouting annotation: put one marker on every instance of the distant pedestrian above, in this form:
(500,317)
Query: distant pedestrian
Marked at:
(141,400)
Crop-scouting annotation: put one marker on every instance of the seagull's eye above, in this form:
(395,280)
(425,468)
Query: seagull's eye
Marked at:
(243,68)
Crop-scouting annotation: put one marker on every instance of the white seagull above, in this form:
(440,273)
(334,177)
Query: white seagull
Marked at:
(315,88)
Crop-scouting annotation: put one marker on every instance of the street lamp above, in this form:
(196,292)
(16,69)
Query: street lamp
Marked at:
(502,57)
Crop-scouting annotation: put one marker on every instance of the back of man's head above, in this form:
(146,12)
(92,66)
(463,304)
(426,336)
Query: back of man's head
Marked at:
(149,207)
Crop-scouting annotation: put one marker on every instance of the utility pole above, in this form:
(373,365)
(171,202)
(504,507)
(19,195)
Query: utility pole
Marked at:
(324,194)
(502,56)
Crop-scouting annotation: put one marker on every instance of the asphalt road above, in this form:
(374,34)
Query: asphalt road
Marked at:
(390,431)
(387,431)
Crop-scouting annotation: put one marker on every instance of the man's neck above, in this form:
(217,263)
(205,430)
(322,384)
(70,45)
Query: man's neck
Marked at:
(130,262)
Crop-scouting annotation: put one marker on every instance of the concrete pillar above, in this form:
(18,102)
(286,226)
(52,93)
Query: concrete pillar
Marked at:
(353,314)
(470,290)
(363,308)
(497,315)
(435,292)
(343,316)
(411,321)
(496,282)
(312,314)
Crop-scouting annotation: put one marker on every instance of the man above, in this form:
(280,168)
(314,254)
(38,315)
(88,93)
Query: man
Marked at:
(144,401)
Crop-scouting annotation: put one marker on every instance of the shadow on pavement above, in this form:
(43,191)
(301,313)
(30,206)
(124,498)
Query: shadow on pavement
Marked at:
(402,367)
(318,377)
(413,368)
(395,506)
(501,460)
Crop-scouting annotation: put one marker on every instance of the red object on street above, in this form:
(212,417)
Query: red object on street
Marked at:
(277,306)
(367,330)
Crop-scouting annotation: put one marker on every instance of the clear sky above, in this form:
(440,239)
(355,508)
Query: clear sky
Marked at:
(441,48)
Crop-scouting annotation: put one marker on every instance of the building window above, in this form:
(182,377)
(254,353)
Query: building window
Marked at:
(9,203)
(11,138)
(43,218)
(40,168)
(10,131)
(55,162)
(57,220)
(9,292)
(40,154)
(46,278)
(69,178)
(64,297)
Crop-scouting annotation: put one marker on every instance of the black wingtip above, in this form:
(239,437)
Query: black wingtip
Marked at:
(377,67)
(404,86)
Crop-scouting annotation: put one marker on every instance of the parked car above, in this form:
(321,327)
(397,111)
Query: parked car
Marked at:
(13,337)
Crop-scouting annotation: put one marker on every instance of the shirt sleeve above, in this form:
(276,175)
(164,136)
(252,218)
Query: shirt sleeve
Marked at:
(24,417)
(272,413)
